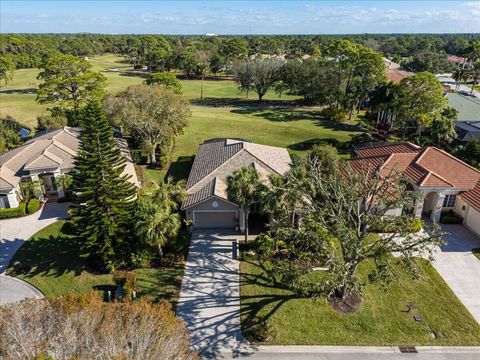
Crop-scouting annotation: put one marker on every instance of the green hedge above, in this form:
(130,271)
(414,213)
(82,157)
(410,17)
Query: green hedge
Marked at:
(449,217)
(21,210)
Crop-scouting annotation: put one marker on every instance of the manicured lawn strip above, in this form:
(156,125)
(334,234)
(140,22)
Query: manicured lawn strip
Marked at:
(379,320)
(59,268)
(476,252)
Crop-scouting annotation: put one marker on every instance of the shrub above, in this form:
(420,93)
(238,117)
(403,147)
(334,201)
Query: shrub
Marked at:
(127,280)
(33,206)
(21,210)
(260,331)
(334,114)
(130,330)
(449,217)
(142,258)
(398,224)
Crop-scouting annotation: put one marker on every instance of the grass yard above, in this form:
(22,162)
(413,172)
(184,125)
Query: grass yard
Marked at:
(380,320)
(476,252)
(18,97)
(59,268)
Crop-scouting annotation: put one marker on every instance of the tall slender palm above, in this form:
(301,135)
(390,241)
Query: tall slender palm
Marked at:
(243,187)
(458,75)
(475,75)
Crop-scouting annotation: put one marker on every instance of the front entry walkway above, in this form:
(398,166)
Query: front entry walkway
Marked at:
(459,267)
(210,297)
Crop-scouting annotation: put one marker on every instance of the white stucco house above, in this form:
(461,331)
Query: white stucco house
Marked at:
(445,182)
(46,156)
(207,204)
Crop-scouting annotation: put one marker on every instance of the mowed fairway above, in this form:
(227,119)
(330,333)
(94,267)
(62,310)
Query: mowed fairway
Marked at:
(17,99)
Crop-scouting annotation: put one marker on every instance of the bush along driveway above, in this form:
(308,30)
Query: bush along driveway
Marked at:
(13,234)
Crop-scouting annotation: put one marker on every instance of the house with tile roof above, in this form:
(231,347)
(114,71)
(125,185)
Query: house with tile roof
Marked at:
(45,157)
(207,204)
(445,182)
(468,120)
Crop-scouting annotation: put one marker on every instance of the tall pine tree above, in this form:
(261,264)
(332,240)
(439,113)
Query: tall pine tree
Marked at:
(105,197)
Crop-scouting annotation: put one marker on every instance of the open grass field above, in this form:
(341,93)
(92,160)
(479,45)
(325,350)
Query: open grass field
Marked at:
(59,268)
(18,97)
(381,319)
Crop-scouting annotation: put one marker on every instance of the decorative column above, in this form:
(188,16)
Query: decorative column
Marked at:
(437,207)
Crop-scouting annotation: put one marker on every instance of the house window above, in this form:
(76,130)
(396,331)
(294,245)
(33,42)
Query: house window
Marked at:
(449,200)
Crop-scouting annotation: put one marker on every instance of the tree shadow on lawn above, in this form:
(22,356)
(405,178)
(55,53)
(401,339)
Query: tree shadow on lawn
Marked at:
(288,114)
(252,104)
(130,73)
(162,283)
(342,147)
(53,256)
(180,169)
(19,91)
(252,307)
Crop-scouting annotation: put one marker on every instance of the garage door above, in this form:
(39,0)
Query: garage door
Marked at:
(473,220)
(214,219)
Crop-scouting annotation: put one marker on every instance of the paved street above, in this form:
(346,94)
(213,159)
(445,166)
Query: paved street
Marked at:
(13,234)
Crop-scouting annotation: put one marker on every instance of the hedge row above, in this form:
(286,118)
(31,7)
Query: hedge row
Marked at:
(21,210)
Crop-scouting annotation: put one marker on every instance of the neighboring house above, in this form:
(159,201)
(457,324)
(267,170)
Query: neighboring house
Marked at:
(445,182)
(394,71)
(207,204)
(458,61)
(46,156)
(468,121)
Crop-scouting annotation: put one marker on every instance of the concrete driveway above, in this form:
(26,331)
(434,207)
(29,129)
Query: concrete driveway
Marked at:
(210,297)
(13,234)
(459,267)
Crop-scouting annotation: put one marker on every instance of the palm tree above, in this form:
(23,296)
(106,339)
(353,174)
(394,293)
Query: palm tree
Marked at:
(156,223)
(168,192)
(243,187)
(475,74)
(458,75)
(158,220)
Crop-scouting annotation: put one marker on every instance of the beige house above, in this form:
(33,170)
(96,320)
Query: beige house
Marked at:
(445,182)
(46,156)
(207,204)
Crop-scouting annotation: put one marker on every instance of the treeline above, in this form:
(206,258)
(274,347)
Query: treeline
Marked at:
(160,52)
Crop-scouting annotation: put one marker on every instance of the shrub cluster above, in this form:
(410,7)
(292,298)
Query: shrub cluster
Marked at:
(449,217)
(87,328)
(334,114)
(21,210)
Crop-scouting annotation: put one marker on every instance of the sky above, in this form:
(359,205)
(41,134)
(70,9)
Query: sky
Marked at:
(239,17)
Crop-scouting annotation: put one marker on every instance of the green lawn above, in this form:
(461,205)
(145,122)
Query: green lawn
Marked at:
(476,252)
(380,320)
(18,97)
(58,267)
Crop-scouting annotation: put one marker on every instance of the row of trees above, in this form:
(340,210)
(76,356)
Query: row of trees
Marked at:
(27,50)
(342,76)
(326,214)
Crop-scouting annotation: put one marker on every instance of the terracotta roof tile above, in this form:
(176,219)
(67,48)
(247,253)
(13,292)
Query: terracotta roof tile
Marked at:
(472,197)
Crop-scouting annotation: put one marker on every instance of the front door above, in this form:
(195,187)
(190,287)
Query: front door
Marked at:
(49,184)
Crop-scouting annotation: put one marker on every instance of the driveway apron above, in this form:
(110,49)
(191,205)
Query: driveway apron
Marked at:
(459,267)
